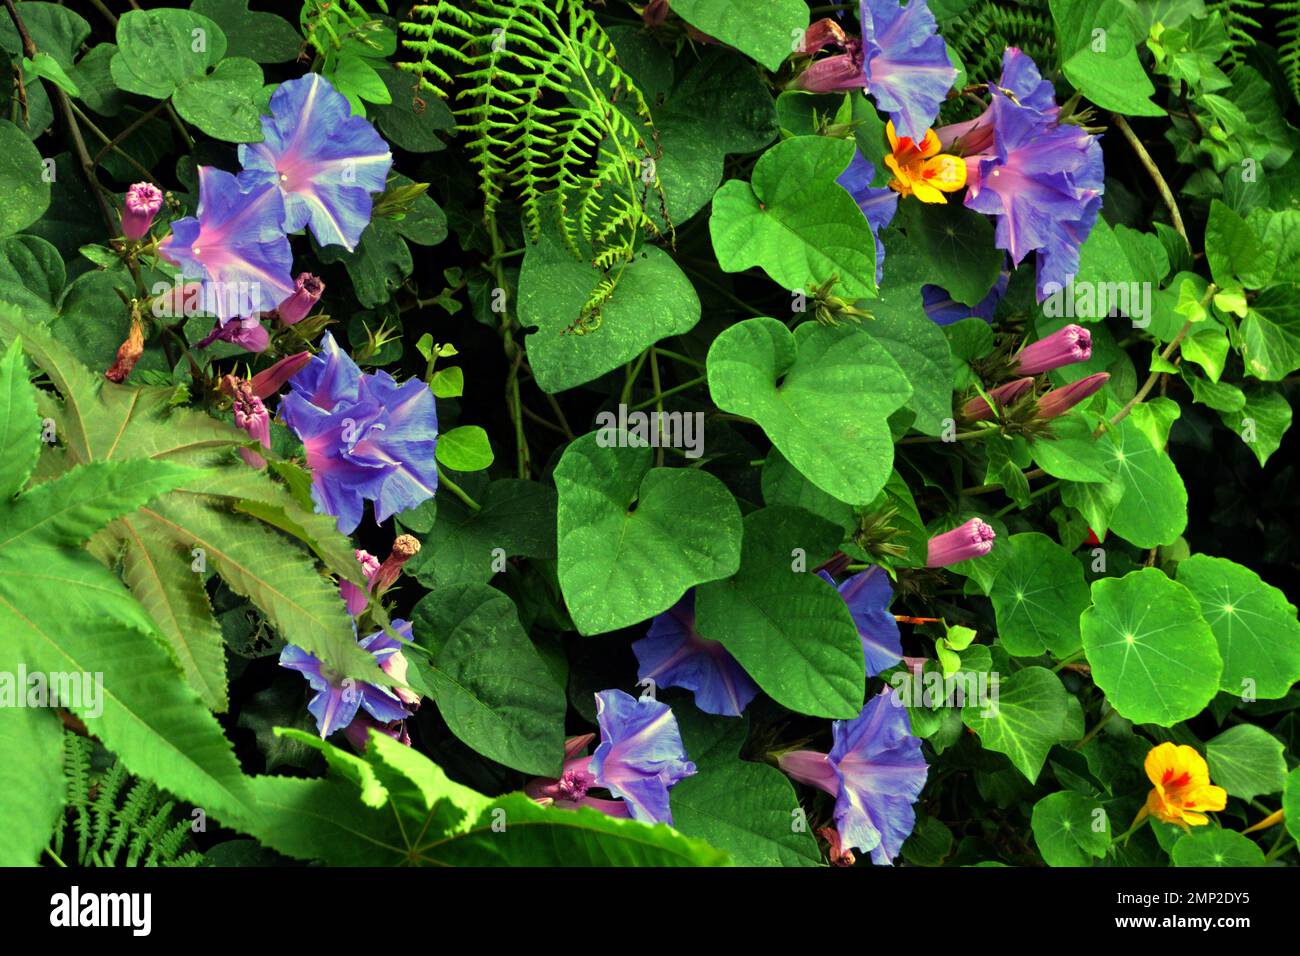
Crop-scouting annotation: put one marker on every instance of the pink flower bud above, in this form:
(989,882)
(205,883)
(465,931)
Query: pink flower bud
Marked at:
(306,293)
(974,539)
(395,666)
(977,410)
(1063,347)
(252,417)
(143,200)
(1060,400)
(353,596)
(833,74)
(655,13)
(269,381)
(358,732)
(404,548)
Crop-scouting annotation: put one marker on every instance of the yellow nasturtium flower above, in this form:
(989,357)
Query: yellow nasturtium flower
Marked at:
(1182,786)
(921,171)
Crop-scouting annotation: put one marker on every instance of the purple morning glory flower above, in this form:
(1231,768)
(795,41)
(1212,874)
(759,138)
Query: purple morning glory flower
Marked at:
(868,595)
(640,756)
(878,204)
(943,309)
(338,698)
(875,772)
(246,332)
(235,245)
(324,161)
(672,654)
(569,791)
(905,63)
(1043,181)
(366,437)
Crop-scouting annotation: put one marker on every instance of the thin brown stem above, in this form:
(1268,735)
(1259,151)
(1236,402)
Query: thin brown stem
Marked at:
(1153,171)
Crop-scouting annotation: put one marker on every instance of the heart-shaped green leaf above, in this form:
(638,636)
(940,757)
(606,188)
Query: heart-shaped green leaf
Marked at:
(651,300)
(1029,714)
(788,628)
(823,395)
(795,221)
(633,538)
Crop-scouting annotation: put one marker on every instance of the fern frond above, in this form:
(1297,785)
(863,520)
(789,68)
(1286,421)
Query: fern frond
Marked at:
(1288,48)
(76,772)
(143,823)
(980,35)
(103,810)
(139,801)
(1239,19)
(550,116)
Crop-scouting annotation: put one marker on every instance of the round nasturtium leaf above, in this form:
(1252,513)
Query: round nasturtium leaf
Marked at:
(1216,847)
(1153,507)
(795,221)
(1070,829)
(24,187)
(823,395)
(1150,649)
(1038,595)
(1254,623)
(1291,803)
(633,538)
(1247,761)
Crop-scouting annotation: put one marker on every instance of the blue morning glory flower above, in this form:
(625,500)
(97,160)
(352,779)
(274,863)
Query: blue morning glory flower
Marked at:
(868,595)
(878,203)
(1042,180)
(943,309)
(338,698)
(324,161)
(905,63)
(235,245)
(672,654)
(875,772)
(640,756)
(367,437)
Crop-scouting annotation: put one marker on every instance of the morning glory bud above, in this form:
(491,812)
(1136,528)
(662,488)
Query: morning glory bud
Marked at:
(252,417)
(1063,347)
(977,410)
(143,200)
(307,292)
(974,539)
(1060,400)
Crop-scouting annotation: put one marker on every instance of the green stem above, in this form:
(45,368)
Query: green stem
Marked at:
(1162,187)
(959,436)
(678,357)
(457,490)
(633,370)
(672,391)
(1095,728)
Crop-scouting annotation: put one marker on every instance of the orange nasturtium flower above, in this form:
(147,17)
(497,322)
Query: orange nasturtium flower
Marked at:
(1182,786)
(922,171)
